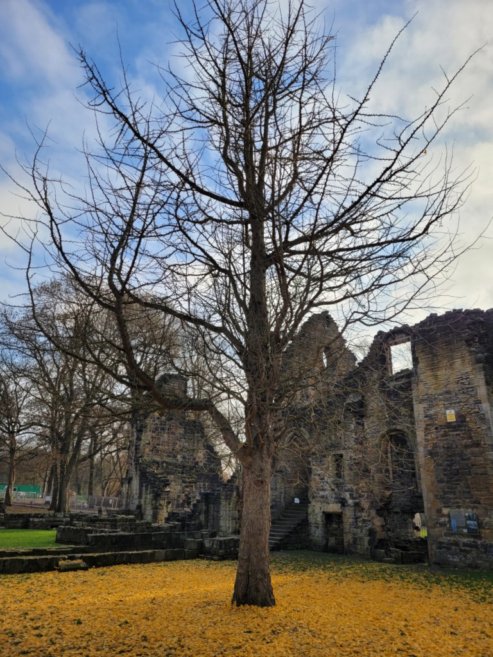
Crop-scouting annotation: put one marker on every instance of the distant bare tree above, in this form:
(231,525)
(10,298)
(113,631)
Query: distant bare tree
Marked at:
(85,332)
(68,397)
(16,439)
(250,198)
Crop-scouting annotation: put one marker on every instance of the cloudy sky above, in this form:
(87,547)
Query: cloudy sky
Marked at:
(40,89)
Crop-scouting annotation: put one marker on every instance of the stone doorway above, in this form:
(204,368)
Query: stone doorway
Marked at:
(404,503)
(334,532)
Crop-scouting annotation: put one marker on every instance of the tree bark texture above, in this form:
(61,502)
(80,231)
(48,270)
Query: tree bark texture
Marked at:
(90,483)
(54,488)
(61,482)
(253,582)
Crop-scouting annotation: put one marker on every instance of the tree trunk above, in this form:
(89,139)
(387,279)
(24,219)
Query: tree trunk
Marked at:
(63,483)
(253,583)
(132,490)
(90,483)
(10,479)
(54,486)
(47,481)
(77,483)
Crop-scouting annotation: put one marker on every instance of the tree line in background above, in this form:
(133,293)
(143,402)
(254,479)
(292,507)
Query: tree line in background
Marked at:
(64,419)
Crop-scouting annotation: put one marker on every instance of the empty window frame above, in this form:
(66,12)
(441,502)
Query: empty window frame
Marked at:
(401,357)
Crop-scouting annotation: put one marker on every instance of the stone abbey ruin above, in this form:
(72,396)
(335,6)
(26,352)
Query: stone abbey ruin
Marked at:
(390,458)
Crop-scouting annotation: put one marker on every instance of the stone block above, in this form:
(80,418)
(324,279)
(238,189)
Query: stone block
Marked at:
(224,547)
(16,521)
(193,544)
(191,554)
(100,559)
(175,554)
(72,535)
(10,566)
(65,565)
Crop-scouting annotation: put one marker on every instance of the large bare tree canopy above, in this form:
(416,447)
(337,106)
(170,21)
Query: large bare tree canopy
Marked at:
(250,195)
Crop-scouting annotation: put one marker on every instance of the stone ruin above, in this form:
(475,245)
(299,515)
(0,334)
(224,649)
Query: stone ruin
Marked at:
(401,457)
(176,474)
(178,503)
(390,458)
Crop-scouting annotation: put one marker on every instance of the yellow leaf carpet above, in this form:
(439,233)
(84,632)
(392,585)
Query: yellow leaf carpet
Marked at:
(325,608)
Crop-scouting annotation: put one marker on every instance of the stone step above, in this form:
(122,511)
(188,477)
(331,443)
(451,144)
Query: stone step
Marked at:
(286,524)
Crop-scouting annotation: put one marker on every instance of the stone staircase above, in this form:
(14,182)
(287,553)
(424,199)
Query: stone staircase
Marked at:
(282,528)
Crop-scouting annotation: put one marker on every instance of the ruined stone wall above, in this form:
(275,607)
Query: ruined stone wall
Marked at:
(316,358)
(452,397)
(350,469)
(291,474)
(176,465)
(179,472)
(368,445)
(396,443)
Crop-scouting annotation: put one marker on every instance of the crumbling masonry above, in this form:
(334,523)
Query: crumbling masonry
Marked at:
(393,456)
(404,450)
(175,472)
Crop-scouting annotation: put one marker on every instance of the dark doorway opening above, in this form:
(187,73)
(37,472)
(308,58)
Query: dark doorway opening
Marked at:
(334,531)
(403,509)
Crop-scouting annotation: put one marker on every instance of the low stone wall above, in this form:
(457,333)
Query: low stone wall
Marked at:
(39,552)
(72,535)
(98,539)
(459,552)
(221,547)
(38,563)
(30,521)
(122,533)
(137,541)
(30,564)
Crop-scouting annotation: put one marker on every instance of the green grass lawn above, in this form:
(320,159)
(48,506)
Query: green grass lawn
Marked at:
(27,538)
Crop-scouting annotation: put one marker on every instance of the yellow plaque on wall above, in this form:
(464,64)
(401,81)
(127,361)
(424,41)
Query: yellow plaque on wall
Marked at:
(450,414)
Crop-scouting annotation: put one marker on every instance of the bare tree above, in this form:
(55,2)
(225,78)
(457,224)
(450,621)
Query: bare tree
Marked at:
(85,332)
(16,439)
(69,398)
(251,197)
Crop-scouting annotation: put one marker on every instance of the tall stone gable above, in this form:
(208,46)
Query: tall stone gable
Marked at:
(401,457)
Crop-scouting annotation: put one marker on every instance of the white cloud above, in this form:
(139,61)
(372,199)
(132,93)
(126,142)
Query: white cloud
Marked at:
(31,47)
(38,64)
(35,58)
(99,22)
(442,34)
